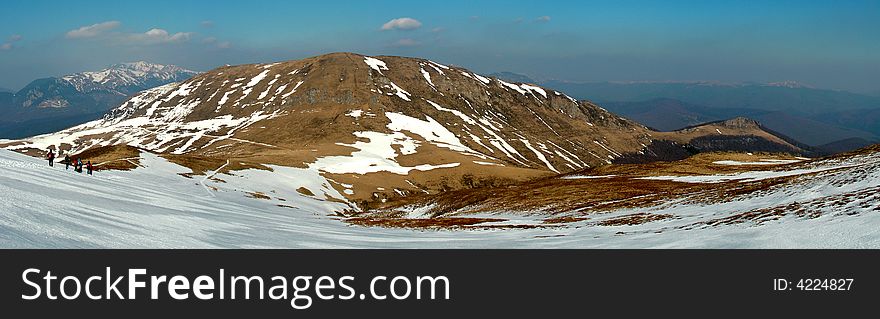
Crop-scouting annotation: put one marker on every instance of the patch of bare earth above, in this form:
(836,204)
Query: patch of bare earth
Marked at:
(118,157)
(634,219)
(258,195)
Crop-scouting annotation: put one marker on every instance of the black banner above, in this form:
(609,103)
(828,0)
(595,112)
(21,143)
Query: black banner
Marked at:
(517,283)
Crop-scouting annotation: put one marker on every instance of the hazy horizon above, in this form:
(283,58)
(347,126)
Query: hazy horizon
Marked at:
(827,45)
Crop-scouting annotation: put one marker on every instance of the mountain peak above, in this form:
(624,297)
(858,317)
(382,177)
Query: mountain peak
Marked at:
(740,122)
(406,123)
(146,67)
(122,76)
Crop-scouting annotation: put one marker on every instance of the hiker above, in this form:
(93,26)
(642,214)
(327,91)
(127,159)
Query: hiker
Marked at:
(51,157)
(66,162)
(76,165)
(89,167)
(79,166)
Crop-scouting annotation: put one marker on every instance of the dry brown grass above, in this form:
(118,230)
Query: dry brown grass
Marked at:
(554,195)
(688,134)
(564,220)
(634,219)
(305,191)
(258,195)
(118,157)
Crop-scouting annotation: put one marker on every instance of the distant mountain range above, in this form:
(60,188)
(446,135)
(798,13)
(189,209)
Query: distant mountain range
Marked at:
(513,77)
(50,104)
(818,117)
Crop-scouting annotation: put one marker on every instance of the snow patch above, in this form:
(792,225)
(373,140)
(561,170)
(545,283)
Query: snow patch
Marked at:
(375,64)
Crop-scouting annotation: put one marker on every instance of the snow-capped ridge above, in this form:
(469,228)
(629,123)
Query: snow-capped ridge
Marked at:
(129,74)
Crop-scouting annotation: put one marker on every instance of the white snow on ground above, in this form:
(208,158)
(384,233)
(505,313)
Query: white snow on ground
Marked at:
(483,79)
(246,90)
(375,155)
(513,86)
(378,154)
(430,130)
(375,64)
(355,113)
(439,65)
(539,155)
(613,152)
(400,92)
(154,207)
(749,176)
(533,88)
(292,90)
(427,77)
(159,129)
(497,141)
(436,68)
(268,87)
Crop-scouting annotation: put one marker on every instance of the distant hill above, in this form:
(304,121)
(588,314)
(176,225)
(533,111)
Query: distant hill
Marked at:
(867,120)
(845,145)
(661,114)
(670,114)
(768,97)
(810,115)
(50,104)
(385,126)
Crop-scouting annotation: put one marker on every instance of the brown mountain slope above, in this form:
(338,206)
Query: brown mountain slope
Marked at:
(403,123)
(377,126)
(737,134)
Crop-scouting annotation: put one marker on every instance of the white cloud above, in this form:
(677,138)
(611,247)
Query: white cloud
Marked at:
(6,46)
(94,30)
(543,19)
(160,36)
(105,31)
(402,24)
(207,24)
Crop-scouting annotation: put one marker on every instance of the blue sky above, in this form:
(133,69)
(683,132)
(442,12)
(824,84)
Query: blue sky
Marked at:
(827,44)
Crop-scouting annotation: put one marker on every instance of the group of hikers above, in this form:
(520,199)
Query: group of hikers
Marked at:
(77,163)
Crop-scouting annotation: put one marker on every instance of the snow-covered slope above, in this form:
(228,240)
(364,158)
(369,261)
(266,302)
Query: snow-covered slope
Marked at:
(128,77)
(389,126)
(51,104)
(354,115)
(154,207)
